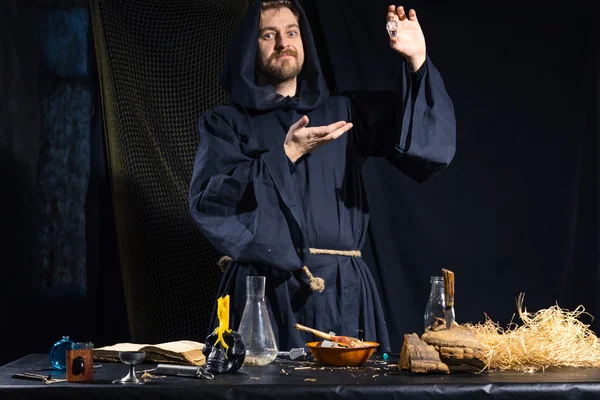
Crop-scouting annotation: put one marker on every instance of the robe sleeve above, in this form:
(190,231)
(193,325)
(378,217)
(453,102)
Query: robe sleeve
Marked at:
(414,127)
(243,204)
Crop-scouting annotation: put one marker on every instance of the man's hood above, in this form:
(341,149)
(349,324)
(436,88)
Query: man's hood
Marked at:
(238,76)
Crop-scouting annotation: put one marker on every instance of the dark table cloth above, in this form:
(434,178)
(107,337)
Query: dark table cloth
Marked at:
(375,380)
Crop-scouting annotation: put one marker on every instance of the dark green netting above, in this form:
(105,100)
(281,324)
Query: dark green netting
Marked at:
(158,66)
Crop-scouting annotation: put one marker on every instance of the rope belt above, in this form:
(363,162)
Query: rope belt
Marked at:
(316,284)
(347,253)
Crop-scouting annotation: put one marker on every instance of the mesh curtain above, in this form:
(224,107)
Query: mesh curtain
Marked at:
(158,65)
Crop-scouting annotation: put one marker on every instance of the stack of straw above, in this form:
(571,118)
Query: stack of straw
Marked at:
(549,338)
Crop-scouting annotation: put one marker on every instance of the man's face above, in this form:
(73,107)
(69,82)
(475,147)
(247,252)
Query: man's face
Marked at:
(280,53)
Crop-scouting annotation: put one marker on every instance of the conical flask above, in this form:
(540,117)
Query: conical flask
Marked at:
(255,326)
(434,311)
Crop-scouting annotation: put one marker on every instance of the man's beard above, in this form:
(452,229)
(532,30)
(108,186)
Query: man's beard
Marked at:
(281,72)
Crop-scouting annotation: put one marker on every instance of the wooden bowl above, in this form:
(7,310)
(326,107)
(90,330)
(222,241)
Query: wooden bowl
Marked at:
(342,356)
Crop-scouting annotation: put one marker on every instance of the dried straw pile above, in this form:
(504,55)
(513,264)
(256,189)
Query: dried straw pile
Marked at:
(550,337)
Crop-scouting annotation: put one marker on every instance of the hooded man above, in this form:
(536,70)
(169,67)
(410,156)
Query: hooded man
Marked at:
(277,180)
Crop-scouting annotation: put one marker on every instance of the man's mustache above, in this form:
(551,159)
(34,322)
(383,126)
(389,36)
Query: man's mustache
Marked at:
(288,52)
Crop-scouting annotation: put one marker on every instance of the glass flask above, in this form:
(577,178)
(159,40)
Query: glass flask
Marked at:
(58,353)
(255,326)
(435,309)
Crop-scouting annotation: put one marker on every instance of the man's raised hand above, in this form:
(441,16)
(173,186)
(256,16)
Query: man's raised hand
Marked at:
(408,39)
(301,140)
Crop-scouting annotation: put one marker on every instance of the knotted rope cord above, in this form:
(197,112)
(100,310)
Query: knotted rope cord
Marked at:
(316,284)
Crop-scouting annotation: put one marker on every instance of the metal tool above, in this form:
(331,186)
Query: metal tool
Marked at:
(293,354)
(449,297)
(189,371)
(47,379)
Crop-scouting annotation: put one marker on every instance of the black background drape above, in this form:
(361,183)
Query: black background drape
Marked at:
(60,267)
(516,211)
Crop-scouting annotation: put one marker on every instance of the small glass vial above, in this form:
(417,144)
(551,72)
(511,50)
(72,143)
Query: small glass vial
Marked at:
(434,311)
(255,325)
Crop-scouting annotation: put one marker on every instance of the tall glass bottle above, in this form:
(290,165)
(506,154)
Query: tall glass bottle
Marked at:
(434,311)
(255,326)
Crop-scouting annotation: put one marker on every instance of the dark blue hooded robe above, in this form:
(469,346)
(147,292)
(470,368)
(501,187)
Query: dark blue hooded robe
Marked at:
(253,204)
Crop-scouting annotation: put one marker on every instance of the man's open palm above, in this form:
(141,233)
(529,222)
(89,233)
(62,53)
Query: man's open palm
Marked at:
(301,140)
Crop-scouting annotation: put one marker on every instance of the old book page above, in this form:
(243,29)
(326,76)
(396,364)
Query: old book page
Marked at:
(184,352)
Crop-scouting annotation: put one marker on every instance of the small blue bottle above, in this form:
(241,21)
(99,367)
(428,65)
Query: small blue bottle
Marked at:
(58,353)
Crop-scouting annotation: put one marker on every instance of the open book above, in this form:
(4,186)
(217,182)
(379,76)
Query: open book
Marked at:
(180,352)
